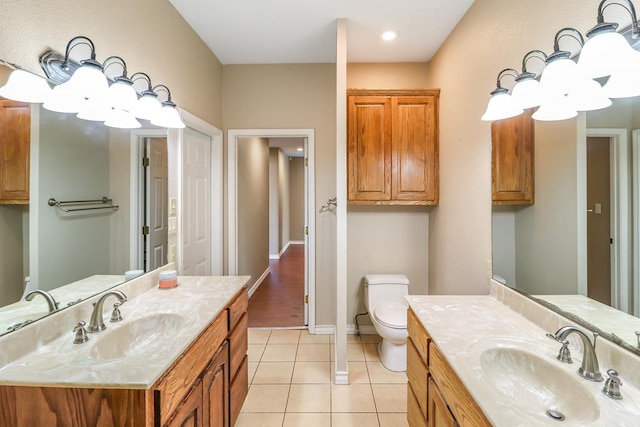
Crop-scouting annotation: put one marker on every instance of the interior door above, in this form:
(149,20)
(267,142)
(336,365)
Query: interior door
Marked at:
(196,203)
(306,231)
(157,214)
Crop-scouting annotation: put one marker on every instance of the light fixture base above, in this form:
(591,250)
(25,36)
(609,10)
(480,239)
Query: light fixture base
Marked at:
(55,67)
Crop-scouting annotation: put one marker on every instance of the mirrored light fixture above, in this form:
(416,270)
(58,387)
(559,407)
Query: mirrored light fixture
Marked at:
(121,94)
(528,92)
(62,101)
(562,74)
(89,80)
(555,108)
(168,116)
(606,51)
(24,86)
(147,105)
(94,109)
(501,105)
(121,119)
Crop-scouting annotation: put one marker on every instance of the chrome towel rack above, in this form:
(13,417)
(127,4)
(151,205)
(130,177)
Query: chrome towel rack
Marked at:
(106,203)
(333,202)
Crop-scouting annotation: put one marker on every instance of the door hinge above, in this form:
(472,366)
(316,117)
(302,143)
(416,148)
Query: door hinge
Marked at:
(306,299)
(145,230)
(306,230)
(145,162)
(306,161)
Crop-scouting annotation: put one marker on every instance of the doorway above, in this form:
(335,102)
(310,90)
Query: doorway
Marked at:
(247,136)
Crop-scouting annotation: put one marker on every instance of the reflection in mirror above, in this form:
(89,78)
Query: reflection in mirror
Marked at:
(77,254)
(574,248)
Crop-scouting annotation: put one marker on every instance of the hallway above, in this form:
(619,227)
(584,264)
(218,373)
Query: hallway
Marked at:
(279,301)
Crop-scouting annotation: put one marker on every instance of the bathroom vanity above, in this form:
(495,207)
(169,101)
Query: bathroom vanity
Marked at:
(178,358)
(486,361)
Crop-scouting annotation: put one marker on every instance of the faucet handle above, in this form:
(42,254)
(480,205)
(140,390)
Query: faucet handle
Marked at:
(564,355)
(116,316)
(612,385)
(81,333)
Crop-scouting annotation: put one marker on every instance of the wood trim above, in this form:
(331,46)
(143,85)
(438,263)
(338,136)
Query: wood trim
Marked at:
(439,413)
(415,417)
(417,375)
(418,335)
(237,308)
(393,202)
(393,92)
(463,406)
(238,344)
(238,390)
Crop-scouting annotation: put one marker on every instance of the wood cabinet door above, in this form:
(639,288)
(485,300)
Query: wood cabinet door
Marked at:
(438,413)
(512,171)
(215,389)
(369,148)
(414,149)
(190,412)
(15,140)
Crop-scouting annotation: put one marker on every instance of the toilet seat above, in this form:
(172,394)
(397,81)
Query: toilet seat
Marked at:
(392,315)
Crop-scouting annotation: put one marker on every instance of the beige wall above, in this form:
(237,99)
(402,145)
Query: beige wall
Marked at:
(296,199)
(253,207)
(494,34)
(11,253)
(294,96)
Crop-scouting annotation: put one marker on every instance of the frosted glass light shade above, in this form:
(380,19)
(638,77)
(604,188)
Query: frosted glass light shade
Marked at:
(560,76)
(501,106)
(588,95)
(604,53)
(122,95)
(168,117)
(623,84)
(121,119)
(94,110)
(528,93)
(147,106)
(24,86)
(88,81)
(555,108)
(62,100)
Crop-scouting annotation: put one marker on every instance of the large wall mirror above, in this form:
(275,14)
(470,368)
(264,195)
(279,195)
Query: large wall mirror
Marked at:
(77,254)
(576,249)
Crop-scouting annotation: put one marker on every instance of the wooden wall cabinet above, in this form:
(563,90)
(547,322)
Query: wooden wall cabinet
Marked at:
(435,395)
(512,171)
(15,131)
(392,147)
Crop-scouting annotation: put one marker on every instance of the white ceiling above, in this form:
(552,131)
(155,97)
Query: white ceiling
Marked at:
(304,31)
(288,145)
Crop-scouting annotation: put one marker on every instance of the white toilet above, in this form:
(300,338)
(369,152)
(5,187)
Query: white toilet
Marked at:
(384,297)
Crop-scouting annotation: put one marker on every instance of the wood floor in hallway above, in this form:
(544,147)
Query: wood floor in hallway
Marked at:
(279,301)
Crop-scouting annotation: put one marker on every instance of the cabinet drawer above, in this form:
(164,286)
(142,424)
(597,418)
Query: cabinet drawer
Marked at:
(238,390)
(415,417)
(419,335)
(238,308)
(417,375)
(238,345)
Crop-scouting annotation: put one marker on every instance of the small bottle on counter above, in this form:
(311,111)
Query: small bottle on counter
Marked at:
(168,279)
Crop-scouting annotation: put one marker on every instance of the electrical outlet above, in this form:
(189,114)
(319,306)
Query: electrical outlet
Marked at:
(171,256)
(489,269)
(172,206)
(173,225)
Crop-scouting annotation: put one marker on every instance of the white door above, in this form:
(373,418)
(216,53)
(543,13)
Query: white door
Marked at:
(157,212)
(306,231)
(196,203)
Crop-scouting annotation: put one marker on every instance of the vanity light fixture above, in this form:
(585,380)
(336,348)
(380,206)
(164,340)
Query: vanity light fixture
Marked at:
(388,35)
(24,86)
(299,149)
(147,105)
(121,95)
(528,92)
(501,105)
(89,80)
(168,116)
(63,101)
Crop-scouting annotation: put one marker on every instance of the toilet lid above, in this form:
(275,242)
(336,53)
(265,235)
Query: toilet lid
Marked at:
(392,315)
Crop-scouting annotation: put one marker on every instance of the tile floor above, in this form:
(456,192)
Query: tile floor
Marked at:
(290,383)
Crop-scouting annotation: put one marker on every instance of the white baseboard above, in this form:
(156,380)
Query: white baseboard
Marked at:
(325,329)
(284,249)
(274,256)
(296,242)
(259,281)
(341,378)
(351,330)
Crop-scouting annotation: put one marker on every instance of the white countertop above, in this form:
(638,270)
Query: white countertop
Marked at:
(464,326)
(60,363)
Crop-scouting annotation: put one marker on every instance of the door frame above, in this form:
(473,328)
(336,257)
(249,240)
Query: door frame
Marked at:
(636,219)
(620,218)
(232,205)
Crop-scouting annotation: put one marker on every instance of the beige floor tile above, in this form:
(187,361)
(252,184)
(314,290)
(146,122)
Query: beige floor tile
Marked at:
(266,398)
(259,420)
(312,373)
(390,397)
(353,339)
(313,353)
(284,336)
(307,420)
(393,420)
(370,338)
(371,352)
(307,338)
(352,398)
(381,375)
(358,373)
(274,373)
(355,353)
(253,366)
(258,336)
(280,353)
(354,420)
(254,352)
(309,398)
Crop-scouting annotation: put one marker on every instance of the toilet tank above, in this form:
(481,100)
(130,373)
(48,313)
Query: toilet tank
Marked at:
(385,288)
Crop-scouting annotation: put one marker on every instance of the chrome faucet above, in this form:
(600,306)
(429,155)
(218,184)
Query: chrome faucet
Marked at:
(96,324)
(589,369)
(51,302)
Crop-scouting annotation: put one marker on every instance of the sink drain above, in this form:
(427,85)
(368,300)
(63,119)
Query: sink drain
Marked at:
(556,415)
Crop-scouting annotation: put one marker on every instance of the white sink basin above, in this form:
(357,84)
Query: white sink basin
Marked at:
(536,386)
(143,335)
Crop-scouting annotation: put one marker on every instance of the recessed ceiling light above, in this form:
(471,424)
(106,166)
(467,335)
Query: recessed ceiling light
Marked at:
(299,149)
(388,35)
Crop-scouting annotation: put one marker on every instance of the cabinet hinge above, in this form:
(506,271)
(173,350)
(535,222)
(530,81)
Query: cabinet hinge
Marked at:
(145,230)
(145,162)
